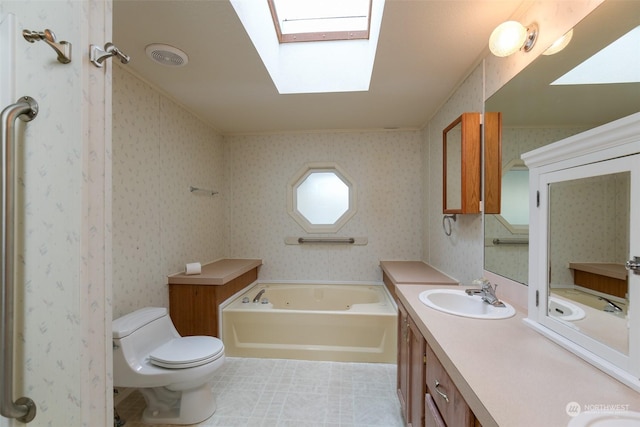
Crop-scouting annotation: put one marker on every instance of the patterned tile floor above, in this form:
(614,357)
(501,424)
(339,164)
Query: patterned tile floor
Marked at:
(294,393)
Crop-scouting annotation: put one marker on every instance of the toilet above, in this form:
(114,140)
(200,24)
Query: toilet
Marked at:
(173,373)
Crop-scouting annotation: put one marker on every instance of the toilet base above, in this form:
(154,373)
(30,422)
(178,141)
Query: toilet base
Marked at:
(166,406)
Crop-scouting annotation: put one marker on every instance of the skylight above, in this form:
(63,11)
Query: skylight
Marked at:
(616,63)
(319,20)
(334,65)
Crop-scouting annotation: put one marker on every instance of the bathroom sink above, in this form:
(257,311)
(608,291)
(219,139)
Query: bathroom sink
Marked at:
(457,302)
(603,419)
(564,309)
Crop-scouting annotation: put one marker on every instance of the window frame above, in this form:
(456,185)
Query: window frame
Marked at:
(319,35)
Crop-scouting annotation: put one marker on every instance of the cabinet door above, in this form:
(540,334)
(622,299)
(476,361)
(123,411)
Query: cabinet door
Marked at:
(193,309)
(417,385)
(432,417)
(587,213)
(403,360)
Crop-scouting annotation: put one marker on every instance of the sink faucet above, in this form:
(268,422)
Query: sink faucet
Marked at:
(488,294)
(257,298)
(612,306)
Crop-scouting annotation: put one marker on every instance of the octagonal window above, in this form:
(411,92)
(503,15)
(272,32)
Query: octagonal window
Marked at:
(321,198)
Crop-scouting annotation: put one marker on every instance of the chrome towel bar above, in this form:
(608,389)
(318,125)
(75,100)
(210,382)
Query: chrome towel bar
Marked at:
(24,409)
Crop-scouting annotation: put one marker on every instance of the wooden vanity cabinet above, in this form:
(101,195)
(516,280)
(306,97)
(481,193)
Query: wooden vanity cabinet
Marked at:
(411,357)
(419,370)
(445,394)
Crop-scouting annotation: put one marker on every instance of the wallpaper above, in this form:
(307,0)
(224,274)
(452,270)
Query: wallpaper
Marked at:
(62,249)
(159,151)
(386,169)
(458,255)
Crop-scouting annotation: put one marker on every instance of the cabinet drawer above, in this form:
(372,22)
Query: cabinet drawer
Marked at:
(446,396)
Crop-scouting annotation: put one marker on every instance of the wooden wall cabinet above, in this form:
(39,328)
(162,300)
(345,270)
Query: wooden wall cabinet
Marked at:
(462,162)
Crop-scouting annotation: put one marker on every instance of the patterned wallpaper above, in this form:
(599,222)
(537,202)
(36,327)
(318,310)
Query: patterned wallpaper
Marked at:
(459,255)
(165,149)
(62,249)
(159,150)
(386,167)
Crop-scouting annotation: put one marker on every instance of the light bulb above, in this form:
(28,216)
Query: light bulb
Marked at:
(559,44)
(507,38)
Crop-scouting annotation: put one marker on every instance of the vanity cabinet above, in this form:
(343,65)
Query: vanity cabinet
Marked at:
(411,358)
(448,400)
(428,396)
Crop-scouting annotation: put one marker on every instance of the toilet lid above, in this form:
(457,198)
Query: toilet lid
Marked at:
(187,352)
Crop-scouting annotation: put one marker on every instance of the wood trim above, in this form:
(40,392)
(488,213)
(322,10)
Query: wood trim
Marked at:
(492,130)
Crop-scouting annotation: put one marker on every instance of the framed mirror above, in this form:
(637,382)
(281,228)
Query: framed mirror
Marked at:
(537,112)
(461,165)
(321,198)
(583,232)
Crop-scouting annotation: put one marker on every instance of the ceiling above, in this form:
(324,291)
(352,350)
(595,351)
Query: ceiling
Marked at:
(425,50)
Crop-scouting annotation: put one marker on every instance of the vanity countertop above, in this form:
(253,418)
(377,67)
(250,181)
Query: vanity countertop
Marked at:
(415,272)
(509,374)
(608,269)
(216,273)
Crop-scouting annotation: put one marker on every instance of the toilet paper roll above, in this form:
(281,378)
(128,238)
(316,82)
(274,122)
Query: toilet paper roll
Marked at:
(193,268)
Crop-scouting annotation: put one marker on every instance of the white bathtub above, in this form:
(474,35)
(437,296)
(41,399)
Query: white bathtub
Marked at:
(329,321)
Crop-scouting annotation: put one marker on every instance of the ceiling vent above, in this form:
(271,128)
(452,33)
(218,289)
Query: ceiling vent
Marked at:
(166,55)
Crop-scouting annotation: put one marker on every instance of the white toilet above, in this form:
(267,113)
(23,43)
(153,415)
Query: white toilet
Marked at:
(173,373)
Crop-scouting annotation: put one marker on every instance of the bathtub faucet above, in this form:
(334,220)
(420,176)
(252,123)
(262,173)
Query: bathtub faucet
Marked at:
(257,298)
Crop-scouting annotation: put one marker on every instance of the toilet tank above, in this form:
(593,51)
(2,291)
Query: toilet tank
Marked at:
(140,332)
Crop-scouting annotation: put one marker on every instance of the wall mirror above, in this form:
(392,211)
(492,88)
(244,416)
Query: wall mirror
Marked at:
(461,165)
(514,208)
(321,197)
(536,113)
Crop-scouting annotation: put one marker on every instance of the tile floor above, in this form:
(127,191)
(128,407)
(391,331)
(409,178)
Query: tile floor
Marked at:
(295,393)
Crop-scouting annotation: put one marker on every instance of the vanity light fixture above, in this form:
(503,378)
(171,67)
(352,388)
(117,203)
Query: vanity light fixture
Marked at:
(559,44)
(511,36)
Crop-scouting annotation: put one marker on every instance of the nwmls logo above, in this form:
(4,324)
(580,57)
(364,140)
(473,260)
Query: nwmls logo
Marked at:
(573,409)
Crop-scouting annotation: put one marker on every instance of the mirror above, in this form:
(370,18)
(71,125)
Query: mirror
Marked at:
(536,113)
(514,207)
(461,165)
(588,246)
(321,198)
(452,149)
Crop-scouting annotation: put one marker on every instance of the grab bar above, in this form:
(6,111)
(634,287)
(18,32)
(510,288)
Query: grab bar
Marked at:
(510,241)
(23,409)
(348,240)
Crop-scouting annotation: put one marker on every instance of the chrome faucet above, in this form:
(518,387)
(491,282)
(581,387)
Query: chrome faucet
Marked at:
(611,306)
(257,298)
(487,293)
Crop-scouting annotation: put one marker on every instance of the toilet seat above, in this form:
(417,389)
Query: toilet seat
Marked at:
(187,352)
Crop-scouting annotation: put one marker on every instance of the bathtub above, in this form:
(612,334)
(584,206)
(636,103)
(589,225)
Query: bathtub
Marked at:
(329,321)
